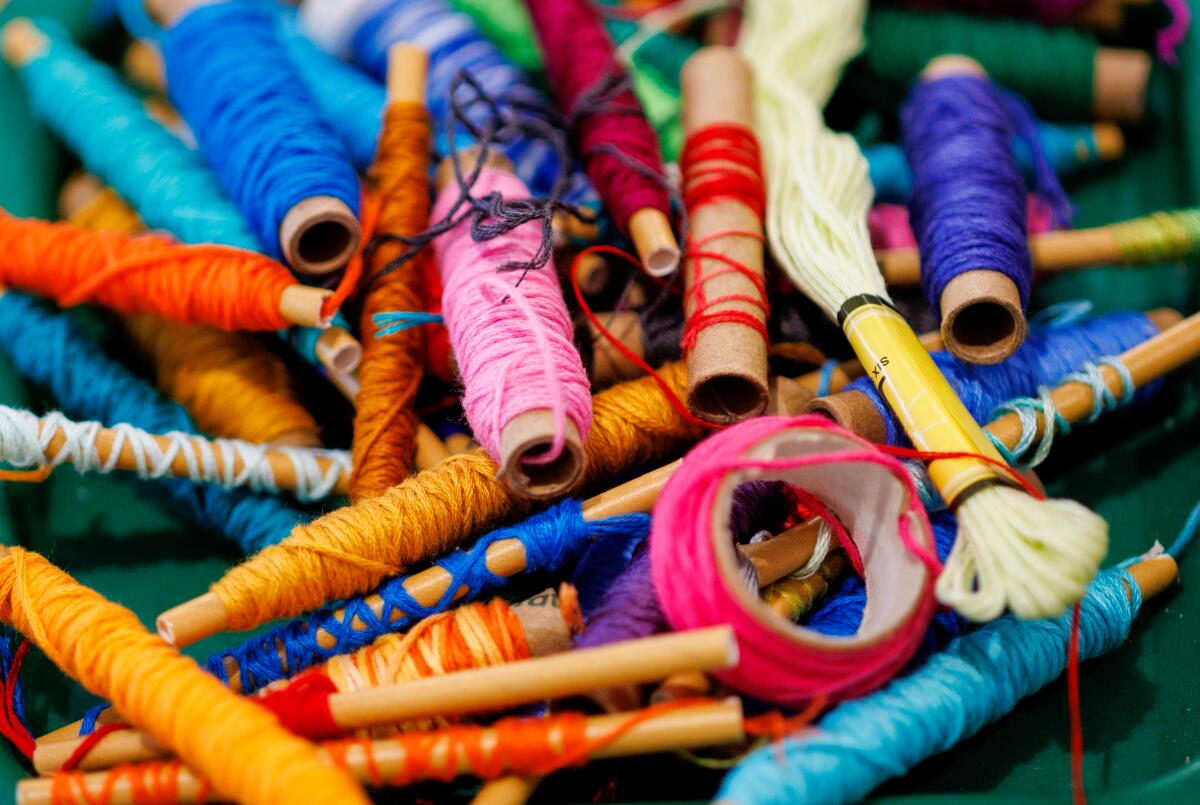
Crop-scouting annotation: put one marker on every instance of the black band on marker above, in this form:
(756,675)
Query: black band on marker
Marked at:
(980,485)
(861,300)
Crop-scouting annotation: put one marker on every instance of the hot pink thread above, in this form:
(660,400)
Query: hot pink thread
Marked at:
(775,663)
(579,60)
(512,342)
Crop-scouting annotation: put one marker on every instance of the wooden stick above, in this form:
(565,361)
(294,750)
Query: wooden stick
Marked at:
(1064,250)
(655,241)
(706,724)
(727,364)
(188,446)
(512,789)
(554,676)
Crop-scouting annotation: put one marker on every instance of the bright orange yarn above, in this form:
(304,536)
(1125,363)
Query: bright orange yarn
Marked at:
(385,426)
(230,288)
(350,550)
(238,746)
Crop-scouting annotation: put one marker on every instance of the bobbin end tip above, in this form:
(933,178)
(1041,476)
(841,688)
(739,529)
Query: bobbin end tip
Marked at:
(77,191)
(951,64)
(982,318)
(1154,575)
(468,158)
(192,621)
(301,305)
(22,42)
(854,411)
(338,351)
(1109,140)
(406,71)
(528,435)
(319,235)
(655,241)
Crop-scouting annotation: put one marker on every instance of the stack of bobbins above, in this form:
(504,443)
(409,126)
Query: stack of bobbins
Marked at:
(318,235)
(983,320)
(529,434)
(725,294)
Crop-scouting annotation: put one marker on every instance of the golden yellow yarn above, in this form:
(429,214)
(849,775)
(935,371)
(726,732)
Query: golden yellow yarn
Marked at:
(238,746)
(350,550)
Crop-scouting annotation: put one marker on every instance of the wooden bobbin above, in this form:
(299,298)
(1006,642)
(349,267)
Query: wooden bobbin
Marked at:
(655,241)
(528,435)
(143,64)
(337,350)
(727,365)
(22,42)
(1120,76)
(982,317)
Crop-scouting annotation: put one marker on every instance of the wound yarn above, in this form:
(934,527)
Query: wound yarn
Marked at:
(226,287)
(353,549)
(968,199)
(456,49)
(230,383)
(1050,353)
(608,125)
(88,106)
(551,538)
(977,679)
(890,228)
(510,330)
(49,349)
(385,425)
(839,478)
(105,647)
(229,74)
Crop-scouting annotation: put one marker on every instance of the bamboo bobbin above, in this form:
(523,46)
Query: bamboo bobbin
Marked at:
(727,366)
(1120,77)
(318,235)
(981,313)
(655,241)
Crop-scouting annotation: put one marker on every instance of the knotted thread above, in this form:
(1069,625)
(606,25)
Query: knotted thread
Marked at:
(968,199)
(105,647)
(230,288)
(229,75)
(956,692)
(791,667)
(510,331)
(385,426)
(88,105)
(50,350)
(617,144)
(349,551)
(551,539)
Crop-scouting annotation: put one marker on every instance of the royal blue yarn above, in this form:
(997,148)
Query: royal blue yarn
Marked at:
(1049,353)
(977,679)
(551,539)
(351,101)
(1068,149)
(52,351)
(230,76)
(455,45)
(88,106)
(968,199)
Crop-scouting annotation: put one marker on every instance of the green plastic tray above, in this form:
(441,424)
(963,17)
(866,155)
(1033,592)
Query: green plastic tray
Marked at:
(1141,704)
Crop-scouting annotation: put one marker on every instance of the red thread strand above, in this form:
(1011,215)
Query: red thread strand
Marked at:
(11,725)
(1078,794)
(89,743)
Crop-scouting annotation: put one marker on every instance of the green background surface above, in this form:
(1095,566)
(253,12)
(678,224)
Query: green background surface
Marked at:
(1139,470)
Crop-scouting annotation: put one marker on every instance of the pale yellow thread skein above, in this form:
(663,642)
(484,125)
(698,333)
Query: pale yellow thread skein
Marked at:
(1034,557)
(237,745)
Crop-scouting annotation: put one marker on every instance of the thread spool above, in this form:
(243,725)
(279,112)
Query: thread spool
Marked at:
(981,307)
(317,233)
(886,532)
(524,442)
(726,355)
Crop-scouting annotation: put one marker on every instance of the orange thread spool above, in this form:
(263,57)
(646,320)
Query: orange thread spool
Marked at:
(384,423)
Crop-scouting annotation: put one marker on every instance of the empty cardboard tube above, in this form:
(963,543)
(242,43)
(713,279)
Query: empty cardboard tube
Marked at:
(727,363)
(338,351)
(318,235)
(526,437)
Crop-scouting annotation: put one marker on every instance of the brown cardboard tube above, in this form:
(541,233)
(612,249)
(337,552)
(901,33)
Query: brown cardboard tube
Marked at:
(22,42)
(430,449)
(982,319)
(512,789)
(407,67)
(1155,575)
(655,241)
(708,724)
(77,191)
(1120,76)
(788,396)
(592,272)
(780,555)
(529,435)
(546,631)
(855,412)
(609,365)
(143,64)
(338,351)
(301,305)
(318,235)
(727,364)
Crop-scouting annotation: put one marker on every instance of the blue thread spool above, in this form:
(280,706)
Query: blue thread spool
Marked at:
(229,74)
(968,208)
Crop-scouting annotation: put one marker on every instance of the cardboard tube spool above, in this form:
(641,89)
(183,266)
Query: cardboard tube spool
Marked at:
(608,364)
(727,365)
(338,351)
(1120,77)
(982,317)
(708,724)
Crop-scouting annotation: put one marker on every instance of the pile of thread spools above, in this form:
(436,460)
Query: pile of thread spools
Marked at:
(573,381)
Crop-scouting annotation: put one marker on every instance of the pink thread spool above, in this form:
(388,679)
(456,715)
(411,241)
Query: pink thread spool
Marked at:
(525,392)
(877,516)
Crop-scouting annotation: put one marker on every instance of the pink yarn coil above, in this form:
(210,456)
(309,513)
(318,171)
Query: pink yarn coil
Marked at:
(890,228)
(842,478)
(510,330)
